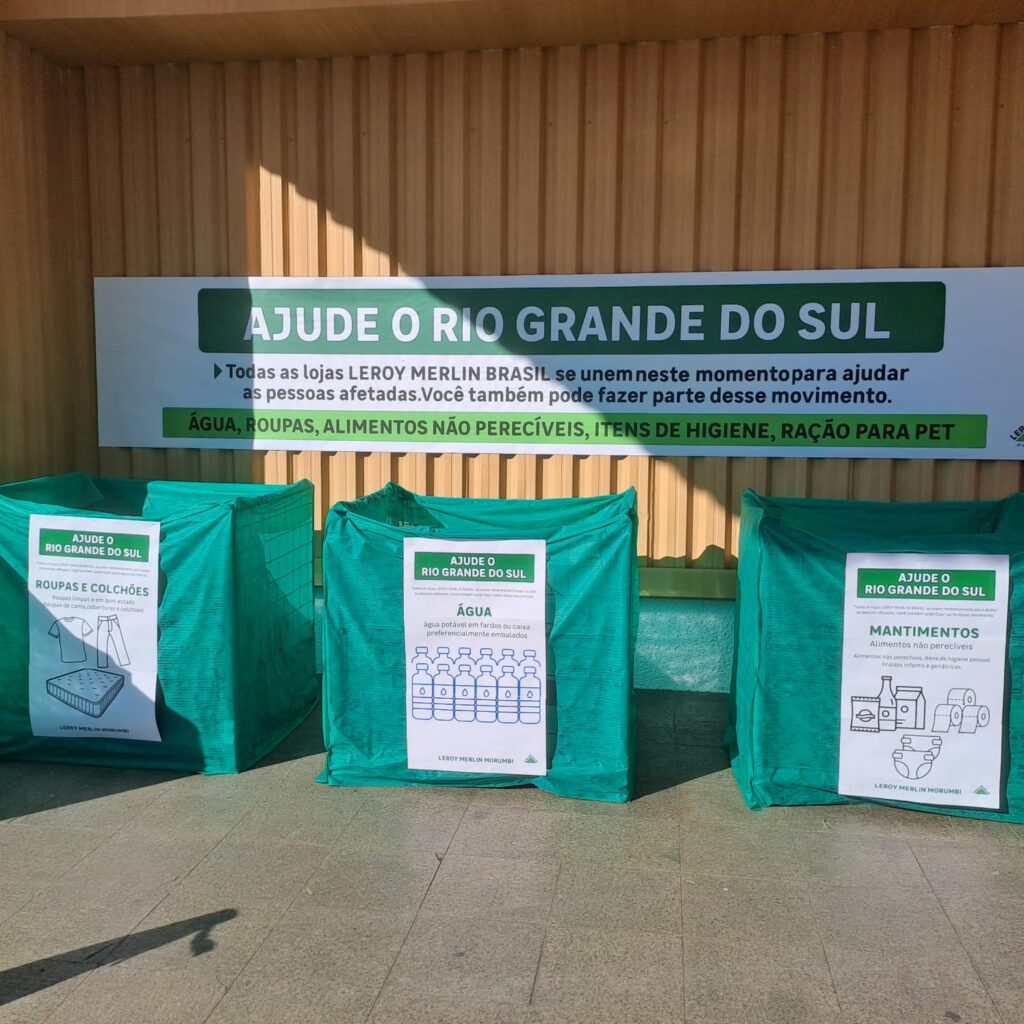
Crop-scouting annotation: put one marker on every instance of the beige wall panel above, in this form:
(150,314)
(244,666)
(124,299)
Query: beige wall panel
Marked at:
(74,278)
(15,322)
(680,111)
(878,149)
(140,207)
(882,211)
(970,187)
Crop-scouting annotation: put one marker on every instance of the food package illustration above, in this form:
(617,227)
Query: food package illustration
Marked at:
(903,707)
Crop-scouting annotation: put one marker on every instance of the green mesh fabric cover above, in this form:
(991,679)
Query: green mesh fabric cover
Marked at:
(235,620)
(784,730)
(592,612)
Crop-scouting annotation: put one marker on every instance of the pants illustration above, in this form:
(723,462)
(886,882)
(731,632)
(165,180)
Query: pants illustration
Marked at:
(110,642)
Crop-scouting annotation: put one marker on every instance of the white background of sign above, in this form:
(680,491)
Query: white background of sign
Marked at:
(940,667)
(83,643)
(148,358)
(432,620)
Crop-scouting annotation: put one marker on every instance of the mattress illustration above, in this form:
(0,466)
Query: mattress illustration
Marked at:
(88,690)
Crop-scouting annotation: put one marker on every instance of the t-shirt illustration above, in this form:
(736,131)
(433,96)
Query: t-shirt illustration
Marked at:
(70,634)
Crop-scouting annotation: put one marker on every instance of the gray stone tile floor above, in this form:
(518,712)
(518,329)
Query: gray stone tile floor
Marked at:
(131,896)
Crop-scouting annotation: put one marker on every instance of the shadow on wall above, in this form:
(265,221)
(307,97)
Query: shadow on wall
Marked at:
(422,165)
(678,738)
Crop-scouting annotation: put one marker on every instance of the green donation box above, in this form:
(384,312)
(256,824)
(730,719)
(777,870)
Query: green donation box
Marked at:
(880,655)
(478,642)
(154,623)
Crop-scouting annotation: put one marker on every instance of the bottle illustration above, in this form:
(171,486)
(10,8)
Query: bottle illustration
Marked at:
(508,695)
(486,694)
(507,660)
(886,706)
(444,690)
(465,691)
(530,660)
(422,691)
(529,696)
(465,652)
(443,654)
(420,654)
(487,660)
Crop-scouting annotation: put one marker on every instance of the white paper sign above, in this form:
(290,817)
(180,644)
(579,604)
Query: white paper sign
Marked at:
(93,594)
(924,655)
(837,363)
(476,656)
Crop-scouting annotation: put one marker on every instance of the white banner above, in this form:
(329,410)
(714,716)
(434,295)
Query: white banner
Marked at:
(93,594)
(476,656)
(888,363)
(924,670)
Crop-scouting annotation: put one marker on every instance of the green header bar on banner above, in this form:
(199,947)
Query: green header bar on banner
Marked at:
(937,584)
(482,567)
(768,430)
(848,318)
(117,547)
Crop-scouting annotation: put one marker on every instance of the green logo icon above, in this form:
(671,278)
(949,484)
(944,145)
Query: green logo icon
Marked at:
(981,791)
(531,759)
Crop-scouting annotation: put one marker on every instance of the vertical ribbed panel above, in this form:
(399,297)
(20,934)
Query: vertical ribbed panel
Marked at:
(894,148)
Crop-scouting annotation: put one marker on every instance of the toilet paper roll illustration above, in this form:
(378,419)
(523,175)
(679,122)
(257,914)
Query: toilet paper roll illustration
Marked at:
(948,716)
(976,717)
(961,712)
(962,695)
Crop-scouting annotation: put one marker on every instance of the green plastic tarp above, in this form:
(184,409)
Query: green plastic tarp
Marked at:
(784,729)
(236,659)
(592,612)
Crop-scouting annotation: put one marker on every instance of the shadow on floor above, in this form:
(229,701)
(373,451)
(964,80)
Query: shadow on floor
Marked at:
(28,787)
(678,737)
(306,740)
(27,979)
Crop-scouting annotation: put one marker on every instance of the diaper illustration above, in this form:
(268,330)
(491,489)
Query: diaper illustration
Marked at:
(88,690)
(961,712)
(916,755)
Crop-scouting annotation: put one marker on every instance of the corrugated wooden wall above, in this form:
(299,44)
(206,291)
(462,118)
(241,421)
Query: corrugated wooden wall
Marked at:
(882,149)
(47,367)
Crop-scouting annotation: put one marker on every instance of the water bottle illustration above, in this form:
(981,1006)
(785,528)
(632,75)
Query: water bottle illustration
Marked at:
(530,660)
(529,696)
(420,654)
(465,691)
(486,694)
(508,695)
(465,652)
(487,660)
(443,654)
(422,691)
(444,691)
(508,660)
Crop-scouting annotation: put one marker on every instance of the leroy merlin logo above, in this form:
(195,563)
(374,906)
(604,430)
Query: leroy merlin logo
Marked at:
(531,759)
(981,791)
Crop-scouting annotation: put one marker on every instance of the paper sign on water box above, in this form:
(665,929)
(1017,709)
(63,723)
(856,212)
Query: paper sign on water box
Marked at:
(475,655)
